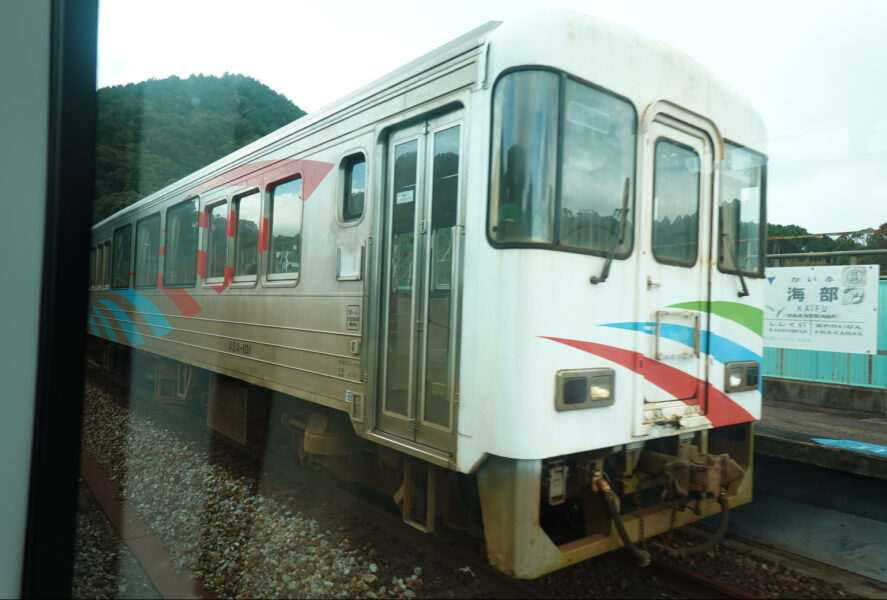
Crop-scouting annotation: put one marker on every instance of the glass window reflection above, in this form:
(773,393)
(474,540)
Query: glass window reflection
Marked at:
(676,203)
(247,236)
(582,199)
(739,212)
(122,252)
(524,135)
(286,230)
(180,252)
(355,188)
(217,249)
(598,158)
(147,251)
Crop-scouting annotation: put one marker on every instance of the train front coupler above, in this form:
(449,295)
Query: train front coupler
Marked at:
(545,514)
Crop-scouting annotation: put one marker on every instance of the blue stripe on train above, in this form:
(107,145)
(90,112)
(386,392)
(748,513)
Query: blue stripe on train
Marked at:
(722,349)
(109,333)
(126,324)
(148,310)
(92,326)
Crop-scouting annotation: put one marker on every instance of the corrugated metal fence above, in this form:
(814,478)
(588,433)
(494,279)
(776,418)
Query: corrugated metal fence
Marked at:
(835,367)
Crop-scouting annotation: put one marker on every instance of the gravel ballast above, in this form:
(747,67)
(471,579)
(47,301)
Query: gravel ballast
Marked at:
(243,534)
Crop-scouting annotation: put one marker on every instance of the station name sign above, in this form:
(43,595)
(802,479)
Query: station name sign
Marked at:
(833,309)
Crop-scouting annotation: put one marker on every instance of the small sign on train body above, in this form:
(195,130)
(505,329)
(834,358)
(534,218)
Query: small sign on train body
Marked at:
(832,309)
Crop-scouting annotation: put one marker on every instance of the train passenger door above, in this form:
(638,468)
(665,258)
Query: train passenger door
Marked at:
(674,295)
(421,247)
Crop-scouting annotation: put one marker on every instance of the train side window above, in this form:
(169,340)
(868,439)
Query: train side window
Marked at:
(147,252)
(121,257)
(741,227)
(93,253)
(98,276)
(217,244)
(676,181)
(180,248)
(246,238)
(284,254)
(355,187)
(106,263)
(100,279)
(523,180)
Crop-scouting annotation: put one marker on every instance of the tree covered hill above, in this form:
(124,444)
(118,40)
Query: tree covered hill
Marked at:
(787,239)
(152,133)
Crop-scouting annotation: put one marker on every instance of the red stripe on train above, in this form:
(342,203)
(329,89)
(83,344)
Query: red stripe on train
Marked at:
(201,264)
(182,299)
(263,235)
(721,409)
(229,277)
(265,172)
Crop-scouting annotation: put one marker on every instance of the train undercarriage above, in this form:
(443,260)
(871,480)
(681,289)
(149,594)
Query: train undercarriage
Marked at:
(536,516)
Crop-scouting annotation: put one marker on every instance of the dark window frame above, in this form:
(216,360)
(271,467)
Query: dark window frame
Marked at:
(69,72)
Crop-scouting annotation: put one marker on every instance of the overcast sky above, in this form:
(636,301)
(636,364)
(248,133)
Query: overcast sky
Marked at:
(816,70)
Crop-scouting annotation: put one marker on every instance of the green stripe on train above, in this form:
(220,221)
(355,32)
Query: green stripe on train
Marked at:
(748,316)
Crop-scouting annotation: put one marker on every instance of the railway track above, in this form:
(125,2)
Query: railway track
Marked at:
(455,552)
(283,473)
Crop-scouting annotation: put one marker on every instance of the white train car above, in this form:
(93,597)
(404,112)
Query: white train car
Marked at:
(529,262)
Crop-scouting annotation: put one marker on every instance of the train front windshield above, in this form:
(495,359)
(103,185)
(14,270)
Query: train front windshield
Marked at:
(583,200)
(580,202)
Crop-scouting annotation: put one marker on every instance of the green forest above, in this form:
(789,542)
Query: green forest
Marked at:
(153,133)
(790,239)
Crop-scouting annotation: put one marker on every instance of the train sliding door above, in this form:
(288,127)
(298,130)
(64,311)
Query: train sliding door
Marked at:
(420,283)
(674,295)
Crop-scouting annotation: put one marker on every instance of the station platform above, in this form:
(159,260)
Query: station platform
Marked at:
(820,483)
(849,441)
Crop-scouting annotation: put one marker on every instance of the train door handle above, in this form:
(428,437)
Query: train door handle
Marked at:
(697,336)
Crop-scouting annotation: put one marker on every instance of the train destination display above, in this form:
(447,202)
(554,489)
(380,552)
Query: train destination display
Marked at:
(833,309)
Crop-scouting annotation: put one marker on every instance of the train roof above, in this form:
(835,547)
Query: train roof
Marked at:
(627,62)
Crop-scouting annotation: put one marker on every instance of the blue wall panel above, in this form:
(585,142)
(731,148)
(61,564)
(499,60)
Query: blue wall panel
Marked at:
(835,367)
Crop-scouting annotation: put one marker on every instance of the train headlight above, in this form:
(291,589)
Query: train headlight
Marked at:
(584,388)
(601,388)
(741,376)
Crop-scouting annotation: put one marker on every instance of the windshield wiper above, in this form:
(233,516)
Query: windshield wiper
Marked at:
(622,215)
(725,240)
